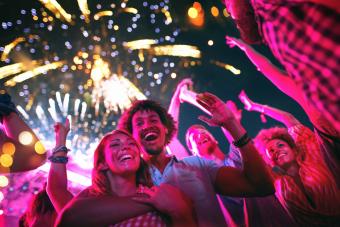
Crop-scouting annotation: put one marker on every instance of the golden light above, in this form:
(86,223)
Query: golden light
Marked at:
(11,69)
(32,73)
(196,14)
(227,67)
(6,160)
(173,75)
(225,13)
(35,18)
(100,70)
(197,6)
(214,11)
(10,46)
(116,27)
(176,50)
(139,44)
(25,138)
(8,148)
(107,13)
(141,55)
(232,69)
(57,10)
(192,13)
(130,10)
(84,9)
(210,42)
(167,15)
(117,93)
(3,181)
(39,148)
(84,55)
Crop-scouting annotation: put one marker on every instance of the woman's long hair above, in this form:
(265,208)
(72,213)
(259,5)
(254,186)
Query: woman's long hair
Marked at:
(100,180)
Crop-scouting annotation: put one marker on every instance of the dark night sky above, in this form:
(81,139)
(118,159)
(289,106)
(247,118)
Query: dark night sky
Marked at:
(206,77)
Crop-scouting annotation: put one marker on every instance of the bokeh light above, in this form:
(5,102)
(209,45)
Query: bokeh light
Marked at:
(39,148)
(25,138)
(8,148)
(6,160)
(3,181)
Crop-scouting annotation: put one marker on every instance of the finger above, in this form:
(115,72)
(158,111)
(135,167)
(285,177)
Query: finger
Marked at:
(207,120)
(142,200)
(205,98)
(212,98)
(67,124)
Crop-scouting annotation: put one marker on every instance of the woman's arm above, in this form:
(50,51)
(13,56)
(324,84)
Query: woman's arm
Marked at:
(282,116)
(57,176)
(286,84)
(100,211)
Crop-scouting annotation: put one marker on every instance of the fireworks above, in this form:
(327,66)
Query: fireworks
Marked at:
(89,67)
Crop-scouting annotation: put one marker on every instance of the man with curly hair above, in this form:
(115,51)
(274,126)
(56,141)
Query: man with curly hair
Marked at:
(199,179)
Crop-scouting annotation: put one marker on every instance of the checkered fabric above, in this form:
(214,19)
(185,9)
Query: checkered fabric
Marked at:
(305,38)
(150,219)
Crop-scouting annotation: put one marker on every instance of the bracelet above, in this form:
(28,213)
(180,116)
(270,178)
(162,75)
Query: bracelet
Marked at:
(60,149)
(244,140)
(58,159)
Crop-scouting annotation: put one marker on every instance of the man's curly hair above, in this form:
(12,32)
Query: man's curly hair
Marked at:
(266,135)
(167,120)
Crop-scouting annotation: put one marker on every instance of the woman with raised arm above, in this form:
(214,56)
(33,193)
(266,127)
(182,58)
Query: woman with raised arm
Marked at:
(18,142)
(118,174)
(57,176)
(328,137)
(304,184)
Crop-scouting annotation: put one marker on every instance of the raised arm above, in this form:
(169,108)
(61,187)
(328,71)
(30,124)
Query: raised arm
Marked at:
(57,176)
(254,179)
(26,155)
(175,146)
(284,83)
(282,116)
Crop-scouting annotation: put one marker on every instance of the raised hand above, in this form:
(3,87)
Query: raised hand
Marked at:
(232,41)
(61,131)
(165,198)
(185,84)
(220,113)
(248,104)
(237,112)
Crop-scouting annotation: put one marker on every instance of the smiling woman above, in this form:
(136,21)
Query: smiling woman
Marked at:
(120,175)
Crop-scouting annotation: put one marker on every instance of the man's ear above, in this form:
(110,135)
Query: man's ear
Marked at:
(103,166)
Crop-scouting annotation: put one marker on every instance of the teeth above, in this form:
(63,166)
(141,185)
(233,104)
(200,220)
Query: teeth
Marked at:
(280,155)
(150,136)
(125,157)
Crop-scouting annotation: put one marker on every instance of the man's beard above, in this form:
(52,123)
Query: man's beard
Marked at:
(156,151)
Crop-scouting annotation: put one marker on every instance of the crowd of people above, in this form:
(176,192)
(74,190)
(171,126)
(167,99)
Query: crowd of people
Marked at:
(143,176)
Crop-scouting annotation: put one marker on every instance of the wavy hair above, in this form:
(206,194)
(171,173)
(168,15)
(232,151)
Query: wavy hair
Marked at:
(100,180)
(266,135)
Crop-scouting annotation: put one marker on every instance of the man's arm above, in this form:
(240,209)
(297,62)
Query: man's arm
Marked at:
(254,179)
(100,211)
(175,146)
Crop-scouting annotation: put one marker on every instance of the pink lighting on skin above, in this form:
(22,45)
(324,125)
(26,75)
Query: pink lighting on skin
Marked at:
(71,176)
